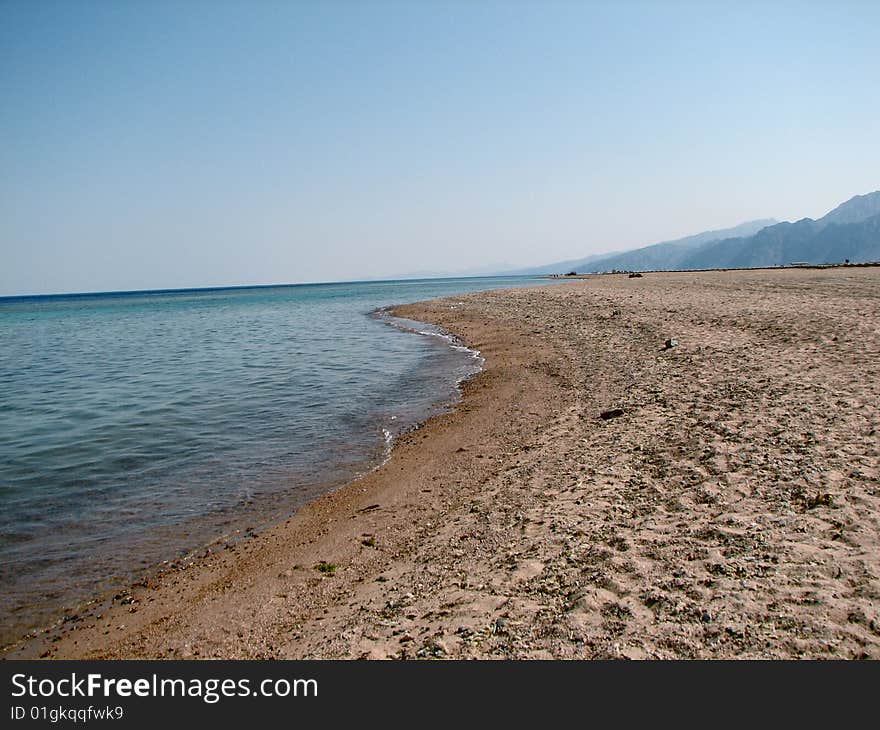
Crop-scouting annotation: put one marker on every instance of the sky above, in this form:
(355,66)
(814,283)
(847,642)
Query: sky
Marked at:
(162,144)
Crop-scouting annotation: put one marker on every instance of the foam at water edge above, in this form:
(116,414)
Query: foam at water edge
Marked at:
(389,445)
(425,330)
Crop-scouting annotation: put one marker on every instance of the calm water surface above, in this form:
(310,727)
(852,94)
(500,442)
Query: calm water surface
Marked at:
(136,427)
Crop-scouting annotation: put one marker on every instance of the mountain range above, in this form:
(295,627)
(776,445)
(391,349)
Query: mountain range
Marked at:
(849,232)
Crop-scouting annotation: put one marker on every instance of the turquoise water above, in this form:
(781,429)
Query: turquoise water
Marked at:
(136,427)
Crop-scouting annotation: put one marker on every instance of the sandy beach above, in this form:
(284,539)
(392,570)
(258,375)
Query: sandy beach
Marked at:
(727,506)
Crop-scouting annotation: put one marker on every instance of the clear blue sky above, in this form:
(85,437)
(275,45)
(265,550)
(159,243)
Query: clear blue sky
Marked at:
(166,144)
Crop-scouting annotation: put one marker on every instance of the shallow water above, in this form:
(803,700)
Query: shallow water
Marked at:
(135,427)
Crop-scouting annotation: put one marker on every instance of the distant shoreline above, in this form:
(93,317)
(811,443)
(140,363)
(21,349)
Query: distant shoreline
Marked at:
(556,277)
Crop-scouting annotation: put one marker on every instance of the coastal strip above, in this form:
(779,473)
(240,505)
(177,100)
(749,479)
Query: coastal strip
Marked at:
(681,465)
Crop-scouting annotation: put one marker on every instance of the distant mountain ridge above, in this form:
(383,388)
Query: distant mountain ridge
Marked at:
(665,254)
(850,231)
(854,210)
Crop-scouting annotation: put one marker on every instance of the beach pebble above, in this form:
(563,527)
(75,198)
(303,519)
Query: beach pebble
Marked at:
(670,343)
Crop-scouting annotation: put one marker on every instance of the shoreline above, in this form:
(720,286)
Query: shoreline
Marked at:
(731,510)
(245,522)
(784,267)
(248,523)
(116,604)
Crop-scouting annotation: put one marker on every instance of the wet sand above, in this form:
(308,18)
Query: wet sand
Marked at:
(731,510)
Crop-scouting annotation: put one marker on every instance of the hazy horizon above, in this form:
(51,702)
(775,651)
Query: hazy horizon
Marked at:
(184,145)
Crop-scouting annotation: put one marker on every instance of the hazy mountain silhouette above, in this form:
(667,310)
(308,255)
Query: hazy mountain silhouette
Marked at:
(856,209)
(850,231)
(657,256)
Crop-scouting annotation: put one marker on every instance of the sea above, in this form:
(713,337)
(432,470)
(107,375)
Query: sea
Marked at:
(138,427)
